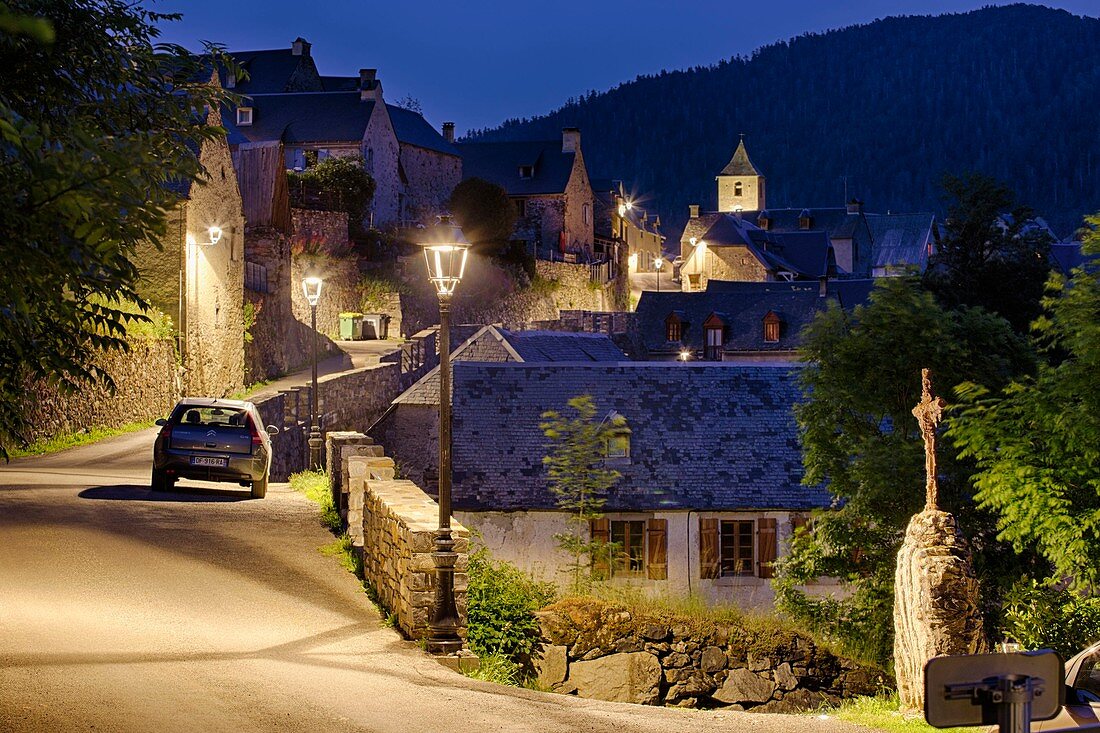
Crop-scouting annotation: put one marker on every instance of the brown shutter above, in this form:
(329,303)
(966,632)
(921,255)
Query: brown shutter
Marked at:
(797,522)
(765,547)
(657,549)
(708,548)
(601,533)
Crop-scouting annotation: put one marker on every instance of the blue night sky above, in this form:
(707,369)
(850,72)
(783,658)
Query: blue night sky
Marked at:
(479,62)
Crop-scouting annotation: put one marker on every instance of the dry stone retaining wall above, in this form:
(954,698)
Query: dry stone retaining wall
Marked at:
(146,387)
(602,651)
(398,526)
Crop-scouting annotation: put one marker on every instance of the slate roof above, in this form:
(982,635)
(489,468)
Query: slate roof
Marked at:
(834,220)
(739,164)
(269,70)
(499,163)
(1066,256)
(806,253)
(704,437)
(412,129)
(340,83)
(742,306)
(519,346)
(899,240)
(302,117)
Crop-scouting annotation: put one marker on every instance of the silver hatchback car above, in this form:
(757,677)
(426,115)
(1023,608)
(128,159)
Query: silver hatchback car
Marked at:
(213,439)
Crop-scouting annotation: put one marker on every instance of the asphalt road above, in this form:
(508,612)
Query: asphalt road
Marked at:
(204,610)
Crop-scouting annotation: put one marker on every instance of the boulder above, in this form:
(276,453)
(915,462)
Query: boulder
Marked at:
(785,678)
(628,677)
(655,632)
(553,665)
(743,686)
(676,659)
(713,660)
(691,684)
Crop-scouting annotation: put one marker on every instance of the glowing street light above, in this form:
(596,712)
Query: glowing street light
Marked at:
(311,286)
(445,252)
(658,264)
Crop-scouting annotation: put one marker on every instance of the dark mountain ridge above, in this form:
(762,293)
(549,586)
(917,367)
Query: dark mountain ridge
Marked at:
(891,105)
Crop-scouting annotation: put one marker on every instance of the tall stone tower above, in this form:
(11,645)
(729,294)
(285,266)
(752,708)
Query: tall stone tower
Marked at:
(740,185)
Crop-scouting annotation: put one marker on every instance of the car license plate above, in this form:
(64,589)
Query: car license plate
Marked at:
(204,461)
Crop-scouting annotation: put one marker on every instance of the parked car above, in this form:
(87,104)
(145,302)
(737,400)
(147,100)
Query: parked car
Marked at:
(213,439)
(1081,711)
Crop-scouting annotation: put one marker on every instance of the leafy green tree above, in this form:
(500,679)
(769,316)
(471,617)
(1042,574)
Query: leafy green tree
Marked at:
(991,255)
(485,213)
(339,182)
(96,120)
(861,380)
(1036,442)
(578,477)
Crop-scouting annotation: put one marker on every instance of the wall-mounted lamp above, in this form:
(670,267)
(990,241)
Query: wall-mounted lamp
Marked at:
(215,237)
(685,355)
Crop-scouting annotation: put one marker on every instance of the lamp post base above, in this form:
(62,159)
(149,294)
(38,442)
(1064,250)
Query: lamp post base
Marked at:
(315,448)
(443,637)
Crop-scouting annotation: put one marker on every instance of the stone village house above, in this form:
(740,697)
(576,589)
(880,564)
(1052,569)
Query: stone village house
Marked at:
(747,240)
(198,283)
(287,100)
(622,223)
(711,484)
(549,184)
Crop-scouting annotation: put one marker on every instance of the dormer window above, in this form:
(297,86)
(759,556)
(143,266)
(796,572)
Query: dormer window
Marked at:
(763,221)
(805,221)
(244,116)
(527,171)
(715,329)
(771,328)
(617,437)
(674,328)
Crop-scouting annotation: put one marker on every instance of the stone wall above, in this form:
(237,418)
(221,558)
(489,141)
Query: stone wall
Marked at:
(328,227)
(733,263)
(279,343)
(347,401)
(431,178)
(339,293)
(399,521)
(573,287)
(603,651)
(146,384)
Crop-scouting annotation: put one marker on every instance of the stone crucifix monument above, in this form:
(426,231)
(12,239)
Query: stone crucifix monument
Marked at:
(935,590)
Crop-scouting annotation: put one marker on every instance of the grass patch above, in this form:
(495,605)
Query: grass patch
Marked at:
(250,389)
(315,486)
(499,669)
(881,713)
(72,440)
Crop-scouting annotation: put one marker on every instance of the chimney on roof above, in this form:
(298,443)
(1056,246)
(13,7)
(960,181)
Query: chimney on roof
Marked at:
(693,211)
(300,47)
(570,140)
(449,131)
(855,206)
(369,86)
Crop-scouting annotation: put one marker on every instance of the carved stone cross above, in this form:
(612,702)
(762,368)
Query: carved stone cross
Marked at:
(929,413)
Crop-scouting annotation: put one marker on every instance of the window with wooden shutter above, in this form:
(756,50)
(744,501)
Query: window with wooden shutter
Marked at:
(628,537)
(765,547)
(736,548)
(708,548)
(657,549)
(600,530)
(798,521)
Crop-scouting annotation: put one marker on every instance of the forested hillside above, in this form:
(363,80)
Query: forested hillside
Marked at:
(1013,92)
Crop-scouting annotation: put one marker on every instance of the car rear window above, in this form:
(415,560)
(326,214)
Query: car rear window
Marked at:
(213,417)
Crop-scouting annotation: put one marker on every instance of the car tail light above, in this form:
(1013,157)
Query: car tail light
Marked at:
(257,441)
(166,433)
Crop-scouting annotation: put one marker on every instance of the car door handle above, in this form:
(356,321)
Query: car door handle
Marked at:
(211,445)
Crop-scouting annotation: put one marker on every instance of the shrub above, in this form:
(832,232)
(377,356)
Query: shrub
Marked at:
(502,601)
(316,487)
(337,183)
(1040,616)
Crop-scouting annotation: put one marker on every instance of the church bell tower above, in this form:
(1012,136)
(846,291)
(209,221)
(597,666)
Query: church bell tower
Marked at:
(740,184)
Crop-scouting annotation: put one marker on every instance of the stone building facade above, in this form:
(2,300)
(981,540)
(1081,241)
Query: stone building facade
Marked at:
(198,282)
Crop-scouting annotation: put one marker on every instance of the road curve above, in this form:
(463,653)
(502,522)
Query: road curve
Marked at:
(204,610)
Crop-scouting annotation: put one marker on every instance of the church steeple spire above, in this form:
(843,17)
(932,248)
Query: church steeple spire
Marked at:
(740,184)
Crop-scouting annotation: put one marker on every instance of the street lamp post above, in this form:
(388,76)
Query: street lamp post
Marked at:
(658,263)
(445,251)
(311,285)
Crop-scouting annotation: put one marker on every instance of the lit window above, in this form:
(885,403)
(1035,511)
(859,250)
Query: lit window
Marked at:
(672,329)
(736,548)
(244,116)
(714,343)
(771,328)
(628,537)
